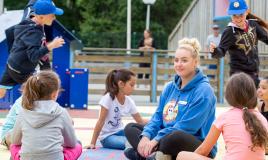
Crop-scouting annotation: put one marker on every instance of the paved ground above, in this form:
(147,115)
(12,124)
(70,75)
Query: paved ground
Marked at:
(84,122)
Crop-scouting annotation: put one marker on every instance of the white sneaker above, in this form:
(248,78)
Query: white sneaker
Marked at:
(161,156)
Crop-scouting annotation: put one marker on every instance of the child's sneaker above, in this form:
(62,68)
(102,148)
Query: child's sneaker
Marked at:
(131,154)
(161,156)
(151,157)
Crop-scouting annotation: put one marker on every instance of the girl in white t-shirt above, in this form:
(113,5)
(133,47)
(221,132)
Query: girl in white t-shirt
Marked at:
(115,104)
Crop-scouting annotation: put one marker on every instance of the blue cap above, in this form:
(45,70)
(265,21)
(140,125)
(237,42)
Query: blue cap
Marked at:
(44,7)
(237,7)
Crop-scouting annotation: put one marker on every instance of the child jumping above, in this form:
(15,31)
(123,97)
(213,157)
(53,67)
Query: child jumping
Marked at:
(243,128)
(29,47)
(240,39)
(43,130)
(115,104)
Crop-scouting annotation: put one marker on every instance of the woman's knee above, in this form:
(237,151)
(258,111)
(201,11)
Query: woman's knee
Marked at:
(128,128)
(172,138)
(178,141)
(131,127)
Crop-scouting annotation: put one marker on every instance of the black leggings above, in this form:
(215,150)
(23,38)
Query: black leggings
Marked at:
(170,144)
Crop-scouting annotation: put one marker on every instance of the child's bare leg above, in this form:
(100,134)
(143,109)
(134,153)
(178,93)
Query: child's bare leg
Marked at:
(191,156)
(2,92)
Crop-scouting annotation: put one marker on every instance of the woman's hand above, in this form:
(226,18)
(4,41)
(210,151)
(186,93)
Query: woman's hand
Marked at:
(150,148)
(212,47)
(142,144)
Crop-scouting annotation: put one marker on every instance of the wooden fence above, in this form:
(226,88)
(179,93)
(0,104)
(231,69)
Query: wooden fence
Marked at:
(100,61)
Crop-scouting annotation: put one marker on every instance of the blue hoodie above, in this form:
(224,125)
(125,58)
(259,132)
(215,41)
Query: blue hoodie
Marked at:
(190,109)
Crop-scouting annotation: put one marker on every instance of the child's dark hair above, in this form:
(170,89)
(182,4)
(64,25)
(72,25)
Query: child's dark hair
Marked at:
(114,77)
(259,20)
(39,87)
(241,93)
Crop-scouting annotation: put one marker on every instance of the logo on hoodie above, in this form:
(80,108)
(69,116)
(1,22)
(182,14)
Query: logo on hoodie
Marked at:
(170,111)
(246,41)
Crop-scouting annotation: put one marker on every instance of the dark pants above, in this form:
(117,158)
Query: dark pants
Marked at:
(170,144)
(12,78)
(146,75)
(45,64)
(254,76)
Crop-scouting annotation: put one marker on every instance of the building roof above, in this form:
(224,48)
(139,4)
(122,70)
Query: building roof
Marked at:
(8,19)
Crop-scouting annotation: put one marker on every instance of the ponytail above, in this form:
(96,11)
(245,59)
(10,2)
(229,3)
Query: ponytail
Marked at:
(112,79)
(258,133)
(30,92)
(260,21)
(111,84)
(39,87)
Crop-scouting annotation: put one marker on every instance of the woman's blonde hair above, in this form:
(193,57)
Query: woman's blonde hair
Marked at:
(192,45)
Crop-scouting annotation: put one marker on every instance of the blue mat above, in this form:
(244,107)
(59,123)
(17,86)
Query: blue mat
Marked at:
(102,154)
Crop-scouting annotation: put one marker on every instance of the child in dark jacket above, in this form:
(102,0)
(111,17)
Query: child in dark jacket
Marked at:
(29,45)
(240,39)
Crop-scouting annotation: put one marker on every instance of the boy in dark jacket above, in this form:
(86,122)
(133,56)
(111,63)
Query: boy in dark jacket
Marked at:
(30,45)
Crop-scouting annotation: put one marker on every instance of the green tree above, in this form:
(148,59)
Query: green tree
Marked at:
(15,5)
(102,23)
(70,7)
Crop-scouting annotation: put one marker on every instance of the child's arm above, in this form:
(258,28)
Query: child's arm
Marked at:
(211,139)
(98,127)
(227,40)
(11,117)
(56,43)
(35,51)
(17,132)
(137,117)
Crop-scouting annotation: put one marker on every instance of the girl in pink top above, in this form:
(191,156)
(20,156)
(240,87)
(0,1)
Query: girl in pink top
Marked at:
(244,129)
